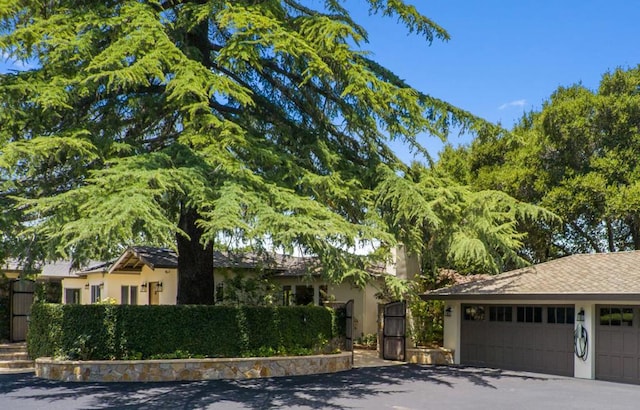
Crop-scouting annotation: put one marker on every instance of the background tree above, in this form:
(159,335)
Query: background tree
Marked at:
(578,157)
(191,123)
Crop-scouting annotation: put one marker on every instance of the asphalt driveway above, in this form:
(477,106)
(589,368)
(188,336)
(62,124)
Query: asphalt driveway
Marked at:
(397,387)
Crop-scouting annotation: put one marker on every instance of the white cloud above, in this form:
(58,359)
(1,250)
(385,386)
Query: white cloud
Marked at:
(516,103)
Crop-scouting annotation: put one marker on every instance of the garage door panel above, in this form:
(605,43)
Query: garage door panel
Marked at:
(630,367)
(539,347)
(629,344)
(617,343)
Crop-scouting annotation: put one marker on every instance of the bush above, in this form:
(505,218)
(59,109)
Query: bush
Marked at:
(100,332)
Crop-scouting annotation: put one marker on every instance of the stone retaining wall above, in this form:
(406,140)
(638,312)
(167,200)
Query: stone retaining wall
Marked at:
(429,356)
(189,369)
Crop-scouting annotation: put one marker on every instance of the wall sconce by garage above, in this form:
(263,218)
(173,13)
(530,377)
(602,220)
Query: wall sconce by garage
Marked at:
(159,287)
(448,311)
(580,315)
(143,287)
(86,286)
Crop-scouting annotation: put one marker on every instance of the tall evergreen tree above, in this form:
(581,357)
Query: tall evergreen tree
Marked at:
(191,123)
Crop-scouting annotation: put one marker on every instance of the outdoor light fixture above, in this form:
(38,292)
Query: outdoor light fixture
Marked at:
(143,287)
(159,287)
(86,286)
(447,311)
(580,315)
(101,285)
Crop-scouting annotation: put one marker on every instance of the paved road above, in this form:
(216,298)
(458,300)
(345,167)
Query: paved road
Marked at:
(399,387)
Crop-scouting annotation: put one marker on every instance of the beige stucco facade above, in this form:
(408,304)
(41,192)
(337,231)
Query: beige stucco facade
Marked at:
(144,284)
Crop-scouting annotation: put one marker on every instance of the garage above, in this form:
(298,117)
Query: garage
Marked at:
(617,343)
(526,319)
(521,337)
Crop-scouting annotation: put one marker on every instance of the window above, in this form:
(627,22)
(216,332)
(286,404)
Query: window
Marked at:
(304,295)
(475,313)
(72,296)
(129,295)
(529,314)
(500,313)
(287,295)
(95,293)
(561,315)
(616,316)
(219,292)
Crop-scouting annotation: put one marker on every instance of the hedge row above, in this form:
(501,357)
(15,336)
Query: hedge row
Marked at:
(99,332)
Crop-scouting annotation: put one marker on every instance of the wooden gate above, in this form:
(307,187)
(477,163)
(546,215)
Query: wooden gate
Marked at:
(393,332)
(348,307)
(21,299)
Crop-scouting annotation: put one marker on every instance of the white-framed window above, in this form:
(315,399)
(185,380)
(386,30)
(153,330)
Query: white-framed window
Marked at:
(72,296)
(95,294)
(128,295)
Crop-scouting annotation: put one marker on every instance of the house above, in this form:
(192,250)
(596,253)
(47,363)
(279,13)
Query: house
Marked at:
(146,276)
(574,316)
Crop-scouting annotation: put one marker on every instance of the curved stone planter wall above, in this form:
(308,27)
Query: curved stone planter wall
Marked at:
(422,355)
(189,369)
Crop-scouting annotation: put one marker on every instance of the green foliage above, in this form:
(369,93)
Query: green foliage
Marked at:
(263,119)
(454,226)
(577,157)
(249,290)
(427,322)
(141,332)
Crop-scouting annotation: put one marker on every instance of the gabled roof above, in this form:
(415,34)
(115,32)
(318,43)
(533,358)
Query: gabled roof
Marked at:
(584,276)
(134,257)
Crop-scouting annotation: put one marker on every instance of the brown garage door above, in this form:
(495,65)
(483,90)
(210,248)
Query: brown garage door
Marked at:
(529,338)
(617,347)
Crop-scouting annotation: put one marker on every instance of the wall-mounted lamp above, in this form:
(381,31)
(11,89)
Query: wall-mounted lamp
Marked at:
(580,315)
(101,285)
(143,287)
(86,286)
(159,287)
(448,311)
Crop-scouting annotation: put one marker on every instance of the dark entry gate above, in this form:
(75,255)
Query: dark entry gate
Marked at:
(348,307)
(393,332)
(21,298)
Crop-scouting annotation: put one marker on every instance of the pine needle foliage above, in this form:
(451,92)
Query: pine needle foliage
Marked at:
(454,226)
(190,123)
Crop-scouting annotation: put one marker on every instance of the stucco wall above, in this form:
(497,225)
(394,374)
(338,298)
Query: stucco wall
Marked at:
(365,302)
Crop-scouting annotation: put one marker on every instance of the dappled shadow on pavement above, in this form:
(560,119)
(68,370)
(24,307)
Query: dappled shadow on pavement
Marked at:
(317,391)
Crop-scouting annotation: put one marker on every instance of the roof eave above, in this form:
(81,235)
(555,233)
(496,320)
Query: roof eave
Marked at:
(532,296)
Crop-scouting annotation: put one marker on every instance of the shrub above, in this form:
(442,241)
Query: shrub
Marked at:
(132,332)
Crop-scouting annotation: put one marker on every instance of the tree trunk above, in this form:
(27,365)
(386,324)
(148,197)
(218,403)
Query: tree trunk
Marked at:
(195,263)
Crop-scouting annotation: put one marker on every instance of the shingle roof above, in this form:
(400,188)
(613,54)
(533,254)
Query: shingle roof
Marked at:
(609,275)
(133,258)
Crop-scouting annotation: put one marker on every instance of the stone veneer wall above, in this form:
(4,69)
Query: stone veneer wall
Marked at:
(429,356)
(189,369)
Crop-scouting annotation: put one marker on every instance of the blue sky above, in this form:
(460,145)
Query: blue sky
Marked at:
(504,57)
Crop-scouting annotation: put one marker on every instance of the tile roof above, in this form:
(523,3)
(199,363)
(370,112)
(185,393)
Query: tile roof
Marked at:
(583,275)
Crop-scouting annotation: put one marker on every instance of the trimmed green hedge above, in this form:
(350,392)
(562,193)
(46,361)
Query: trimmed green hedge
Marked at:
(101,332)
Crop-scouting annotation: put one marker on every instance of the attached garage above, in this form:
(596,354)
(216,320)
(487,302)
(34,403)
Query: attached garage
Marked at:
(532,319)
(522,337)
